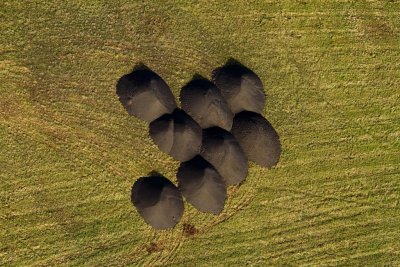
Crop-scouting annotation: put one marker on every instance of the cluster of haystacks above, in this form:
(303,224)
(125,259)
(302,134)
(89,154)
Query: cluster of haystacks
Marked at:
(218,128)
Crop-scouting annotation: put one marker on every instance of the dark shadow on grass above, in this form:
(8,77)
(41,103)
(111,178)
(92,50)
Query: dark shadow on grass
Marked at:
(231,62)
(154,173)
(140,66)
(197,76)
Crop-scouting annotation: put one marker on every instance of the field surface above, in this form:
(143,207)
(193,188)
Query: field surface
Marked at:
(69,153)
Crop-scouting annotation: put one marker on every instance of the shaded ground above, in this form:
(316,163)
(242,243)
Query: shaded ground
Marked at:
(69,153)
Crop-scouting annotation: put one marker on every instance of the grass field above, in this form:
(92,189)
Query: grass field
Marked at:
(69,153)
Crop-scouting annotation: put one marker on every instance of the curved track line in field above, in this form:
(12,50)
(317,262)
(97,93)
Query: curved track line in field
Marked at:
(167,243)
(164,242)
(174,240)
(238,199)
(138,255)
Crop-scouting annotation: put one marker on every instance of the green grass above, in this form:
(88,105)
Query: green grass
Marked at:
(69,153)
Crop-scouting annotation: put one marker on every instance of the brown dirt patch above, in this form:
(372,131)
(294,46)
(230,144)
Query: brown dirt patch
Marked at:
(189,229)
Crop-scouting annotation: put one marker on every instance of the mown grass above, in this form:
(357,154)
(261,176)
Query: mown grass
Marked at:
(69,153)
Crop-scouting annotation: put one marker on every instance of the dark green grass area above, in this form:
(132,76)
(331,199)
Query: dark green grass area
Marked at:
(69,153)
